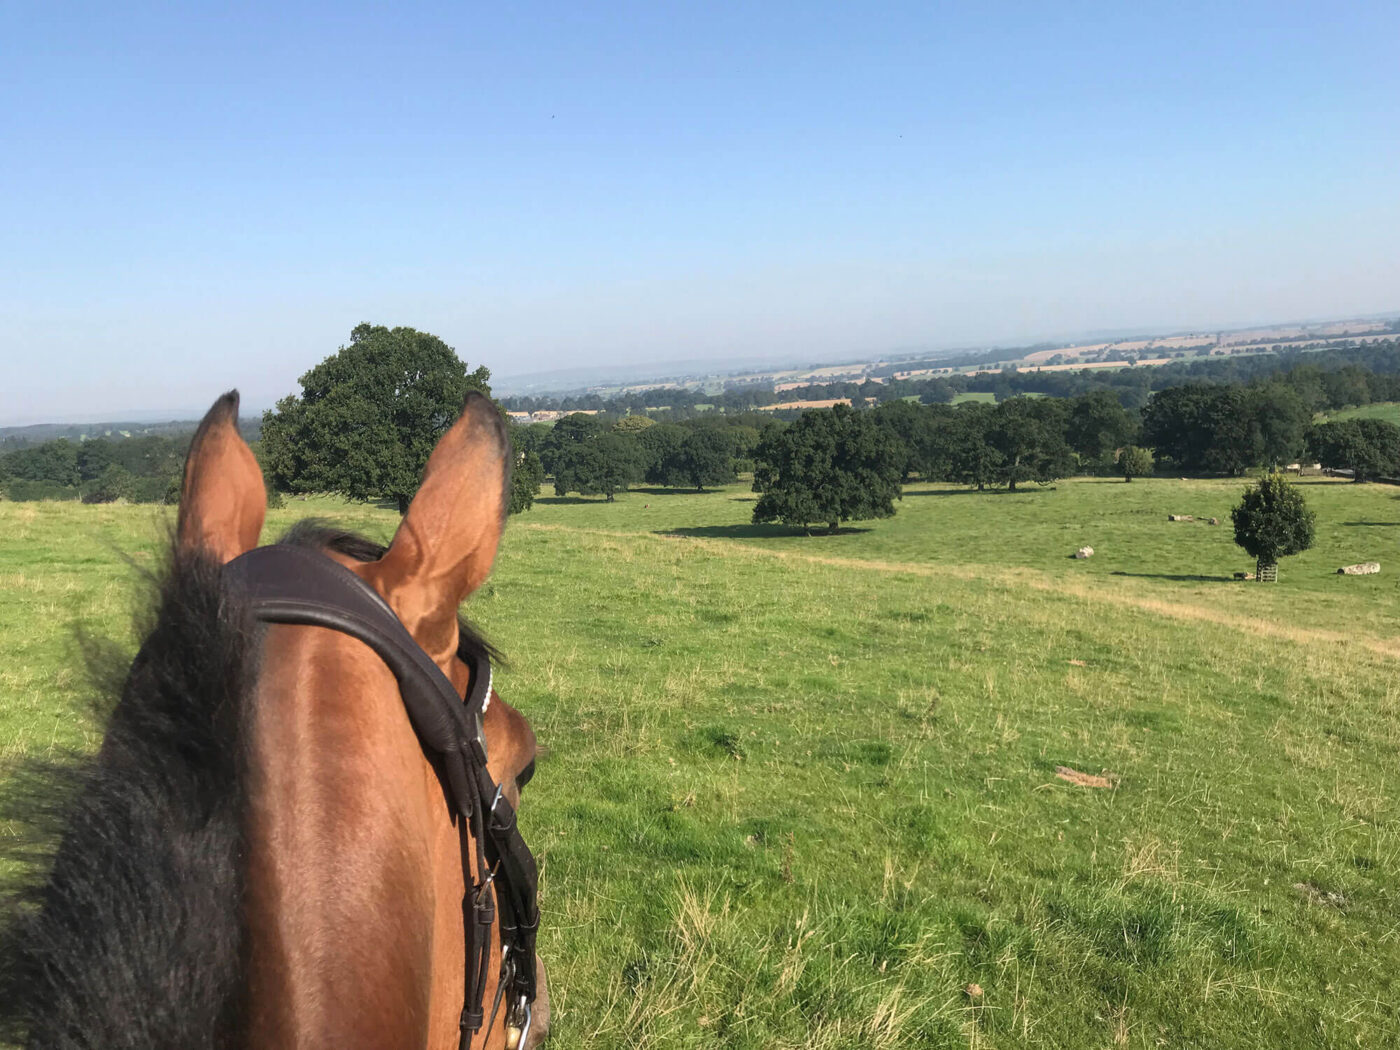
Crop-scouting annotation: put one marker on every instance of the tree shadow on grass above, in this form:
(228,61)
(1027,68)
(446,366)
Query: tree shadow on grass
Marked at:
(571,501)
(1027,491)
(1180,577)
(1354,524)
(653,491)
(756,532)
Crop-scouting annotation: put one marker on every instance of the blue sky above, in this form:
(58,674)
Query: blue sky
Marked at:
(194,197)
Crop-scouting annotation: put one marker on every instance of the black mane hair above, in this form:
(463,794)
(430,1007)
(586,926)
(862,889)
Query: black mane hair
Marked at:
(124,928)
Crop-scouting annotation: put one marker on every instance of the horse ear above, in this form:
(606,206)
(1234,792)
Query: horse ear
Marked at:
(445,545)
(222,498)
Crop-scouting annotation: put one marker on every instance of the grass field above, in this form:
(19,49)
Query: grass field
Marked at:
(801,792)
(1386,410)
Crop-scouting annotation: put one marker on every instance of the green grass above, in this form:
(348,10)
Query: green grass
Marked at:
(1386,410)
(980,395)
(800,792)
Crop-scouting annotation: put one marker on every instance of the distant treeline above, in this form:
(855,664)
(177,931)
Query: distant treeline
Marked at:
(1217,415)
(1195,427)
(102,470)
(1131,386)
(36,434)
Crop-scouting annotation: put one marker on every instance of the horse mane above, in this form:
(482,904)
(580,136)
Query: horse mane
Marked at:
(121,924)
(125,929)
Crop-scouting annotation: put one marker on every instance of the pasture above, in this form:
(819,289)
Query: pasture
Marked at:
(1389,411)
(802,792)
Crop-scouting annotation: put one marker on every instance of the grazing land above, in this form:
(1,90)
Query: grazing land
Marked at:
(803,792)
(1386,410)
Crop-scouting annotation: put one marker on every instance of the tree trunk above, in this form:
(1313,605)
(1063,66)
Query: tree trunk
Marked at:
(403,504)
(831,527)
(1127,477)
(1011,485)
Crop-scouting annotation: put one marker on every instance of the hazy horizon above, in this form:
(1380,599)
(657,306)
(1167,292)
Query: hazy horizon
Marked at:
(199,200)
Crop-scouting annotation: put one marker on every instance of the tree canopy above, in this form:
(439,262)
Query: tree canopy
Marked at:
(831,465)
(1369,448)
(1134,462)
(369,415)
(601,465)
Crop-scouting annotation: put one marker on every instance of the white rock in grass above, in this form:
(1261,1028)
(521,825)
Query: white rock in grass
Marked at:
(1366,568)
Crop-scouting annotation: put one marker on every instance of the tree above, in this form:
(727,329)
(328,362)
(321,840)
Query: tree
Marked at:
(574,429)
(55,461)
(1346,386)
(633,424)
(1272,521)
(369,415)
(1280,420)
(960,450)
(704,458)
(1369,448)
(1028,434)
(603,466)
(1098,426)
(94,457)
(1134,462)
(831,465)
(657,449)
(1201,427)
(530,437)
(526,473)
(905,421)
(115,482)
(1233,442)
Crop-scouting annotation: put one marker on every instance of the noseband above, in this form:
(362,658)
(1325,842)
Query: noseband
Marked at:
(295,585)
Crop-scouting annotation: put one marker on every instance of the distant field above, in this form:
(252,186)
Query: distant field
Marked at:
(987,396)
(1386,410)
(801,792)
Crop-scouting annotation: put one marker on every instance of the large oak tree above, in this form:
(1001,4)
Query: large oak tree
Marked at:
(369,415)
(831,465)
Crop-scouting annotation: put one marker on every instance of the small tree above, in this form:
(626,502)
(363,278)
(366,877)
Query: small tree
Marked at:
(114,483)
(1135,462)
(1272,521)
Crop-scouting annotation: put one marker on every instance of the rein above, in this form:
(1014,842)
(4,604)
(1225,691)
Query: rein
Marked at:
(295,585)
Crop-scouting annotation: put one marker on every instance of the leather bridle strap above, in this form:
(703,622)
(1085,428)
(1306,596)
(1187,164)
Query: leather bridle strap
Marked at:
(297,585)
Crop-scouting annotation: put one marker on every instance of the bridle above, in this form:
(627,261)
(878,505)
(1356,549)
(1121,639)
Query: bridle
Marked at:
(295,585)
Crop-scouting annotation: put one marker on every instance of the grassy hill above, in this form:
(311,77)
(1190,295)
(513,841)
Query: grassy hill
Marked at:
(802,792)
(1386,410)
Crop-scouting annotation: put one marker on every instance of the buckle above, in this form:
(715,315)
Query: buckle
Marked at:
(478,743)
(509,823)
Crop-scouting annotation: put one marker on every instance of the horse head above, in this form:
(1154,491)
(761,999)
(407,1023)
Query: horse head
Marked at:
(265,851)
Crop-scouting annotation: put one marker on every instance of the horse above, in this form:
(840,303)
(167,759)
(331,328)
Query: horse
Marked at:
(262,853)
